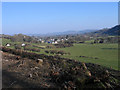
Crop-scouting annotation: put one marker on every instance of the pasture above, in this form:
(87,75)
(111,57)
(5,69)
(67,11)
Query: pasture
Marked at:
(103,54)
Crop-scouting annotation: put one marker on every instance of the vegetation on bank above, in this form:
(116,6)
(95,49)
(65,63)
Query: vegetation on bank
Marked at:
(68,73)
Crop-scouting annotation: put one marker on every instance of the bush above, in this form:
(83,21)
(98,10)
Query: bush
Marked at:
(56,52)
(32,49)
(17,47)
(63,45)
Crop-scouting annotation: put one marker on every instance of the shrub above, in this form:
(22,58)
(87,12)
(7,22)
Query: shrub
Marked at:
(17,47)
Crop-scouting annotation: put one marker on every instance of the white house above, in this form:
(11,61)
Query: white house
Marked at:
(58,40)
(24,36)
(7,44)
(66,39)
(23,45)
(55,42)
(42,41)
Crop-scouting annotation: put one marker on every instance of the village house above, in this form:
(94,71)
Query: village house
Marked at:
(55,42)
(23,45)
(66,39)
(42,41)
(7,44)
(24,36)
(58,40)
(62,39)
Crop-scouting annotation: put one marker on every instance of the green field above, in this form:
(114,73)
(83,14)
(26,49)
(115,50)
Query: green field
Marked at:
(106,54)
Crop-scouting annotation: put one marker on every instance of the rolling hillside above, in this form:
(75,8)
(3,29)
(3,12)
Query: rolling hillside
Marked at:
(111,31)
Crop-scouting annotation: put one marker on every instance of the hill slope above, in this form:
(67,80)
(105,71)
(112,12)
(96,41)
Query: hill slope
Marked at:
(111,31)
(24,71)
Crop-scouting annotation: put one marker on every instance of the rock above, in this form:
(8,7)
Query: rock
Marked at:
(36,67)
(30,75)
(46,85)
(39,61)
(71,84)
(107,72)
(108,85)
(96,80)
(88,73)
(64,86)
(84,66)
(6,60)
(36,74)
(20,63)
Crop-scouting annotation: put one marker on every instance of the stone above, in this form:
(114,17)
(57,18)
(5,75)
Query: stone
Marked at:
(30,75)
(84,66)
(88,73)
(36,67)
(6,60)
(108,85)
(96,80)
(39,61)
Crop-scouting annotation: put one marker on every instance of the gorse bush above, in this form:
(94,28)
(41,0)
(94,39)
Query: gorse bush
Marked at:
(63,45)
(32,49)
(56,52)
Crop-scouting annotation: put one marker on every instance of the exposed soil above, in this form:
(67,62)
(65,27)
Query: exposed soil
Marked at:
(16,73)
(52,72)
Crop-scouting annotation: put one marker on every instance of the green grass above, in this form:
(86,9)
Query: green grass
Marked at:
(5,41)
(107,54)
(106,57)
(89,41)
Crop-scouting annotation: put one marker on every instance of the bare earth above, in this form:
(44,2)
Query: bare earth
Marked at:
(20,72)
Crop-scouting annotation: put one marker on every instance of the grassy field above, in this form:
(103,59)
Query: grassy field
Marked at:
(106,54)
(103,54)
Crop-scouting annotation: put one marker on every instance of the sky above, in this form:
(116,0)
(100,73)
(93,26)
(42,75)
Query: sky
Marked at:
(49,17)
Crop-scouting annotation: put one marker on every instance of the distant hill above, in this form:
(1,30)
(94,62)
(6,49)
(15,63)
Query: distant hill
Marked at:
(108,31)
(71,32)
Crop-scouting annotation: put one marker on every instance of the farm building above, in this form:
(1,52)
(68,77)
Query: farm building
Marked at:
(55,42)
(23,45)
(7,44)
(42,41)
